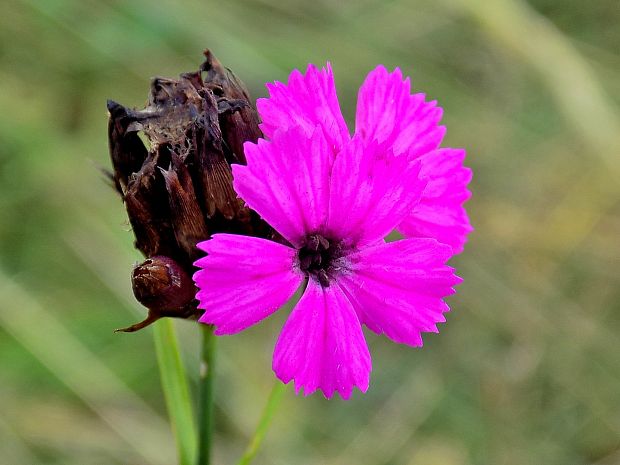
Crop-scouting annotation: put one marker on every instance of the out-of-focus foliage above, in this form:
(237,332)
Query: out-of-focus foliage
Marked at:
(527,369)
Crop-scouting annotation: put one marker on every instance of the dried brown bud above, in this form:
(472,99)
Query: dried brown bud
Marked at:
(159,283)
(179,190)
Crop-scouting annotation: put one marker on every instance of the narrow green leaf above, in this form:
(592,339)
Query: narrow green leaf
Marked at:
(176,390)
(263,424)
(206,395)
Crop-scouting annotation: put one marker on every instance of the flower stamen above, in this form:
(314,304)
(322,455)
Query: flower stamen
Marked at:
(317,256)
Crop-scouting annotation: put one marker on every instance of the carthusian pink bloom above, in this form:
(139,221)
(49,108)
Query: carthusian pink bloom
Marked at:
(397,123)
(333,199)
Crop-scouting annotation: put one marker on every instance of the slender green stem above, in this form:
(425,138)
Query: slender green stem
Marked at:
(176,390)
(273,402)
(205,401)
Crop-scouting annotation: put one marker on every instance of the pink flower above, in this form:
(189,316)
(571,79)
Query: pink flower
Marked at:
(333,198)
(399,123)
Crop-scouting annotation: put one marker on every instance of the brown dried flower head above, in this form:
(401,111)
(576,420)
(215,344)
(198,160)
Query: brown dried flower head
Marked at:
(177,187)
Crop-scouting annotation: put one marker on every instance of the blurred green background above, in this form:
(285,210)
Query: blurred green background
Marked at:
(527,369)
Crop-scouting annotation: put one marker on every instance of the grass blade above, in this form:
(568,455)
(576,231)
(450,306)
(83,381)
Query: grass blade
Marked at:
(176,390)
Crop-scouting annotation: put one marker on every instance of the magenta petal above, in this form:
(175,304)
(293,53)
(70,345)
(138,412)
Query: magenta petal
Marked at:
(307,100)
(398,288)
(440,213)
(243,280)
(286,181)
(371,192)
(388,114)
(322,345)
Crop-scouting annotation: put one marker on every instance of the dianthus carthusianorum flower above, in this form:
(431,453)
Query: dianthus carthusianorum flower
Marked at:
(333,199)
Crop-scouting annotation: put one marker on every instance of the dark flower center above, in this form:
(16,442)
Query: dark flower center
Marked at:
(317,257)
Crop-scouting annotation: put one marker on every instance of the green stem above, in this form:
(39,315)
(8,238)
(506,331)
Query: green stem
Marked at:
(205,401)
(263,425)
(176,390)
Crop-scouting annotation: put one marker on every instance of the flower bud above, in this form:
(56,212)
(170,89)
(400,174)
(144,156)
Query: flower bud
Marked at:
(159,283)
